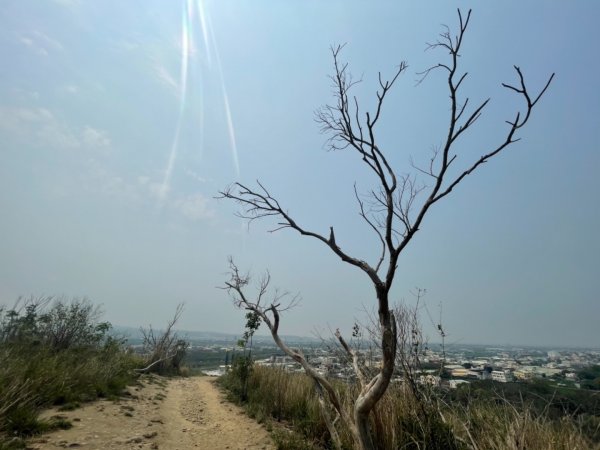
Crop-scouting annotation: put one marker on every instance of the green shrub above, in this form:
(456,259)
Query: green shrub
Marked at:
(54,352)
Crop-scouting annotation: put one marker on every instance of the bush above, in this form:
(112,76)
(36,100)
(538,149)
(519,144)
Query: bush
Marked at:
(55,352)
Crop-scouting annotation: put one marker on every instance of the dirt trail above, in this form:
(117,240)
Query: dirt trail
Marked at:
(175,414)
(201,418)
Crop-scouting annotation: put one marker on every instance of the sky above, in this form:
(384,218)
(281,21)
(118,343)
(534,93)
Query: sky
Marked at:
(121,121)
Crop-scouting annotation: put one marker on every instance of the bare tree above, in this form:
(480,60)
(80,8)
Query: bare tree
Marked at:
(164,350)
(268,307)
(396,208)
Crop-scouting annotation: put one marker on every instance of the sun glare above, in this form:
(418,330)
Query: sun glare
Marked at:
(195,9)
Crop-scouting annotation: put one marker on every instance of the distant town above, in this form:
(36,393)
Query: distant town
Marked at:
(451,367)
(448,366)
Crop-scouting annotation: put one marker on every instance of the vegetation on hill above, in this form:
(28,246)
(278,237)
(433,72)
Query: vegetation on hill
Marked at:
(541,396)
(59,352)
(55,352)
(590,378)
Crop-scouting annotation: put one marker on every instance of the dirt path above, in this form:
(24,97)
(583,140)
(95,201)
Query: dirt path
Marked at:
(176,414)
(201,418)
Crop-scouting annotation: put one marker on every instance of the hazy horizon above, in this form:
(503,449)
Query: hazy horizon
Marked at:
(263,334)
(121,121)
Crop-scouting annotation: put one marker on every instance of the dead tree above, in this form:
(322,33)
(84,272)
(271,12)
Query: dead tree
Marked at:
(269,311)
(164,350)
(396,208)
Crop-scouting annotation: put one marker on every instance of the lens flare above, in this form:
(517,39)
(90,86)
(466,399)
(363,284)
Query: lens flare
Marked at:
(164,188)
(230,128)
(183,77)
(194,12)
(202,17)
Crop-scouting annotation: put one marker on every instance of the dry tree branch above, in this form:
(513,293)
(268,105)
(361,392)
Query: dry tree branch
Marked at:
(375,228)
(355,358)
(270,315)
(164,346)
(258,204)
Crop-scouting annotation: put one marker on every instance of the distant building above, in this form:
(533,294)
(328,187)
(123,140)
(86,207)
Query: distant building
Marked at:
(479,363)
(480,374)
(502,376)
(460,372)
(548,371)
(525,373)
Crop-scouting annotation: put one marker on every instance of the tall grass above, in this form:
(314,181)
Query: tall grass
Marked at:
(400,421)
(282,397)
(55,353)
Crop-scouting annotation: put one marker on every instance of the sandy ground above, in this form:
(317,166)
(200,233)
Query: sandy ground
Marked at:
(175,414)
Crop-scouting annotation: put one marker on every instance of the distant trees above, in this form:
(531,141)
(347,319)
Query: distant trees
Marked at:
(590,377)
(54,323)
(394,210)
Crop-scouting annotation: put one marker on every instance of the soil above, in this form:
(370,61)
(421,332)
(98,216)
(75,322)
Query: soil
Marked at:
(159,413)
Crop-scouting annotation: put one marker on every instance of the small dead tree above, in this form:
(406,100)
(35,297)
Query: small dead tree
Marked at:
(411,347)
(396,208)
(269,311)
(164,350)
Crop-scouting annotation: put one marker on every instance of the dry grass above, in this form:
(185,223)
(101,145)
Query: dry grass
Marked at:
(402,422)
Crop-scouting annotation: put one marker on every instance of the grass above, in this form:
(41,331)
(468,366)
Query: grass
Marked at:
(281,398)
(287,403)
(55,354)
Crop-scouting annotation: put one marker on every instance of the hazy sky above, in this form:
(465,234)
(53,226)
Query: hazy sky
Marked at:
(121,120)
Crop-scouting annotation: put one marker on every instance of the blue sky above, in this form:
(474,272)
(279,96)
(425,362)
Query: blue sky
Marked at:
(120,121)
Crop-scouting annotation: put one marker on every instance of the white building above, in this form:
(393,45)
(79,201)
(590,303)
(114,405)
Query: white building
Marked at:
(502,376)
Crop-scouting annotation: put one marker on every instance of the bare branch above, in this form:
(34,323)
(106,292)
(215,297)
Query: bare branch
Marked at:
(442,187)
(363,214)
(355,358)
(158,361)
(164,346)
(259,204)
(270,315)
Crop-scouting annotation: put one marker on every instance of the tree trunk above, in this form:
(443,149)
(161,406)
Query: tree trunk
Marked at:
(363,431)
(372,393)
